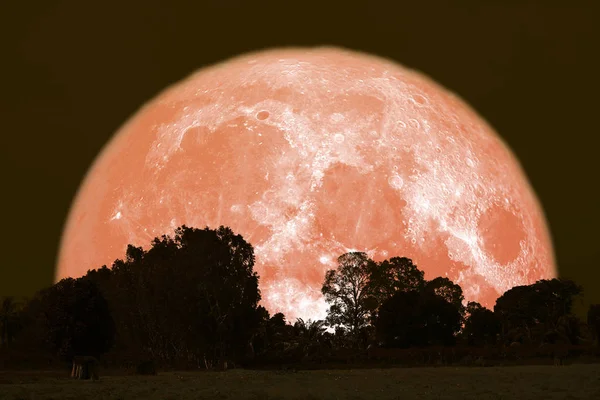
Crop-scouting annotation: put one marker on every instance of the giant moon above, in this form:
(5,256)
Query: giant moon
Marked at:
(309,153)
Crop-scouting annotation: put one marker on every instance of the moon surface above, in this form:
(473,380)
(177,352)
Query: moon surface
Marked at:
(310,153)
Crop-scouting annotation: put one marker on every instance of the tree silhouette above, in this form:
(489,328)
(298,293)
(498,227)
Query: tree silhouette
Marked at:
(556,298)
(9,320)
(398,322)
(394,275)
(481,325)
(448,290)
(74,319)
(193,298)
(309,330)
(566,330)
(194,295)
(593,320)
(270,331)
(417,318)
(530,311)
(309,336)
(346,290)
(278,321)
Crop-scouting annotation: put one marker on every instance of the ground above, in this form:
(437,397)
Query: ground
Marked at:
(522,382)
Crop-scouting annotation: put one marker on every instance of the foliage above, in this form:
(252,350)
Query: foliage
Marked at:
(417,318)
(481,326)
(448,290)
(593,319)
(394,275)
(73,318)
(538,306)
(10,322)
(192,299)
(272,332)
(346,290)
(310,337)
(194,295)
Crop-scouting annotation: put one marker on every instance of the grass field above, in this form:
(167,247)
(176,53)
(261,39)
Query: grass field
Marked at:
(522,382)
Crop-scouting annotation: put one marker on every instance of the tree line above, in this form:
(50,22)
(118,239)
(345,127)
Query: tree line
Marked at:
(192,299)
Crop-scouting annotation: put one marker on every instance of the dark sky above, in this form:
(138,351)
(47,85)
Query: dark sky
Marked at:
(72,73)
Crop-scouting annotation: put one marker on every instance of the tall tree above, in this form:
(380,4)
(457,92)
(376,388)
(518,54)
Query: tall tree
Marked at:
(537,307)
(448,290)
(417,318)
(481,325)
(398,322)
(396,274)
(74,318)
(9,320)
(194,295)
(593,320)
(346,290)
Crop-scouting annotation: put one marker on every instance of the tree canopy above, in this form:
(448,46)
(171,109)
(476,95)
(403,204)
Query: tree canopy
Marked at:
(194,297)
(346,290)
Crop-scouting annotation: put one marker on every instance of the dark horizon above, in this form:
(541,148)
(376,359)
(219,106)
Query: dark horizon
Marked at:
(77,74)
(190,303)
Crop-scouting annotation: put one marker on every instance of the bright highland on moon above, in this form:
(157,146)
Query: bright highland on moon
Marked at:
(309,153)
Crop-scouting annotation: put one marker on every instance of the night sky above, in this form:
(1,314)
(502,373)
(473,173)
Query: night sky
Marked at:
(72,73)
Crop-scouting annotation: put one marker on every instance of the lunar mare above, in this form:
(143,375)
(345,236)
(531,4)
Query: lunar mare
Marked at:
(309,153)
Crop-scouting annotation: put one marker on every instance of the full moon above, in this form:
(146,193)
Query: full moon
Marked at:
(309,153)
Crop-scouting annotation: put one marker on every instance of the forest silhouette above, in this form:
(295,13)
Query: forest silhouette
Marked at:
(192,301)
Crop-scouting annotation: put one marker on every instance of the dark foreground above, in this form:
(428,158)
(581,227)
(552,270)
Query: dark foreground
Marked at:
(521,382)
